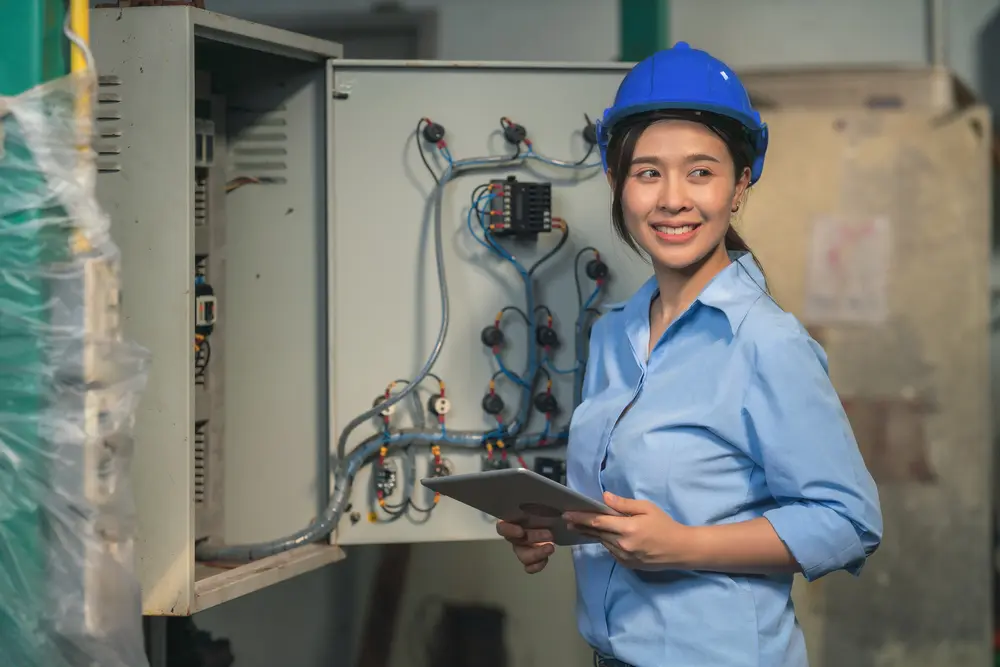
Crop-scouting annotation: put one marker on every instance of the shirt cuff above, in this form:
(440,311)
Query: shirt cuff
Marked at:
(821,540)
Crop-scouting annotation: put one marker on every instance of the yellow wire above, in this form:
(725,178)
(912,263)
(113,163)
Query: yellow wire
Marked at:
(79,23)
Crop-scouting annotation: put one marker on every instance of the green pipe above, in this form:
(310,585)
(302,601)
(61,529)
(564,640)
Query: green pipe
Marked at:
(32,51)
(644,28)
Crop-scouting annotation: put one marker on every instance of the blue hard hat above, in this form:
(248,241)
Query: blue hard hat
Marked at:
(685,79)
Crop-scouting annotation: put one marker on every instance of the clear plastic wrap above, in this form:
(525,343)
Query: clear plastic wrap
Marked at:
(69,386)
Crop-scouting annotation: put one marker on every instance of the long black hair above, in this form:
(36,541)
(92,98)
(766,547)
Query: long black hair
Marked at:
(621,149)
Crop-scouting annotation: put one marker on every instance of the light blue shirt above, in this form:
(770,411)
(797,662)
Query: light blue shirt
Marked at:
(734,417)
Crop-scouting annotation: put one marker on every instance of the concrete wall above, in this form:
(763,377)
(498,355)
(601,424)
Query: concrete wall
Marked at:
(314,620)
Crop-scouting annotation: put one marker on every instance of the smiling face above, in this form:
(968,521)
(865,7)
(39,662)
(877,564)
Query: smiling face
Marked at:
(678,193)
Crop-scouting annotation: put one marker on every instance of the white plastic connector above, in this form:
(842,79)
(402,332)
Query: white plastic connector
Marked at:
(385,412)
(441,405)
(205,310)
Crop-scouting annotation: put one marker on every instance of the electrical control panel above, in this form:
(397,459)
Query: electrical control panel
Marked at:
(527,260)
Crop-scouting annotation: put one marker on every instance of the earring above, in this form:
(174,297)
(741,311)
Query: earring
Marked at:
(736,209)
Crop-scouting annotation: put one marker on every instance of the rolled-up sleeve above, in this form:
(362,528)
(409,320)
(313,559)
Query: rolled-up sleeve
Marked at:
(828,512)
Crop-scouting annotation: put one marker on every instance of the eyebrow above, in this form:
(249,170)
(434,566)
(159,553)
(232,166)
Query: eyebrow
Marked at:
(652,160)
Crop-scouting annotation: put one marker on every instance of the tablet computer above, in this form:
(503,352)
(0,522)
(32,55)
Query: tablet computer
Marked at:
(520,496)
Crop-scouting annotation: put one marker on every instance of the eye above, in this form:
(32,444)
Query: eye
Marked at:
(701,172)
(646,173)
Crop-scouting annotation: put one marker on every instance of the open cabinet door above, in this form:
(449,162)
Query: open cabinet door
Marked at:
(385,292)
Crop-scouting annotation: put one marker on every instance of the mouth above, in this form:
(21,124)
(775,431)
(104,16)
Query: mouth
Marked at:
(674,233)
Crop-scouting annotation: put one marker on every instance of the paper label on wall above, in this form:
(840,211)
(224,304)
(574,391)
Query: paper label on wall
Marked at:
(848,274)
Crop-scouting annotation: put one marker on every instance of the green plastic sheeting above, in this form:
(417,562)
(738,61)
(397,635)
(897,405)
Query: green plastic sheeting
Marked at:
(32,51)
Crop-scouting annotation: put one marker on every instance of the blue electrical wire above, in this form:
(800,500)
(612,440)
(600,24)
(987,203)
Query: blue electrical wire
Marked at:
(510,374)
(580,362)
(550,365)
(526,380)
(562,164)
(473,209)
(349,465)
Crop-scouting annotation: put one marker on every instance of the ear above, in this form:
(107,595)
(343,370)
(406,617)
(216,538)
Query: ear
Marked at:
(741,189)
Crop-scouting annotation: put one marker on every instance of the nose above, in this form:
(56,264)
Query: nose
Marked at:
(674,196)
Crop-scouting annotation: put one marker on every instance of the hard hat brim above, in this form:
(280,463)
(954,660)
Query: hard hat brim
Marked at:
(616,116)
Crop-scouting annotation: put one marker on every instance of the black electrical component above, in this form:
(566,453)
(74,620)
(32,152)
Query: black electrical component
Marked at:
(546,403)
(520,209)
(492,336)
(589,131)
(385,478)
(432,132)
(495,462)
(439,469)
(438,405)
(546,336)
(204,308)
(492,404)
(554,469)
(385,412)
(513,133)
(596,270)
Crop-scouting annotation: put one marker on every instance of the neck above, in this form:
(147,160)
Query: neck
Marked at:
(679,288)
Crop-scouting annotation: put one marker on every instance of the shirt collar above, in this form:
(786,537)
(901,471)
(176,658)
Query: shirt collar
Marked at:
(735,289)
(732,292)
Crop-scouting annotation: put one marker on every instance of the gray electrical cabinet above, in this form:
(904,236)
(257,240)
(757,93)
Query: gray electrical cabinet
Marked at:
(213,165)
(284,247)
(274,213)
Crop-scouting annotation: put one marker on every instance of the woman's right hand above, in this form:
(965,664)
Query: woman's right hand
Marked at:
(532,546)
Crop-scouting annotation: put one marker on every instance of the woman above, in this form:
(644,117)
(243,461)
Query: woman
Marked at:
(708,418)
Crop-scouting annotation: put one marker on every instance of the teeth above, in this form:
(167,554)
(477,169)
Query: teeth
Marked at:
(670,231)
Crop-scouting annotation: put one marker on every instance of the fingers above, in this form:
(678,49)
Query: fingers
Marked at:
(510,531)
(534,557)
(535,568)
(606,524)
(615,551)
(516,534)
(537,536)
(532,546)
(590,532)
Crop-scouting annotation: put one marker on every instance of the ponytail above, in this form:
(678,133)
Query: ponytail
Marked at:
(735,243)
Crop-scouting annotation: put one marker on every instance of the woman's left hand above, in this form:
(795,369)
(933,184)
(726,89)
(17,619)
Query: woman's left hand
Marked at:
(646,538)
